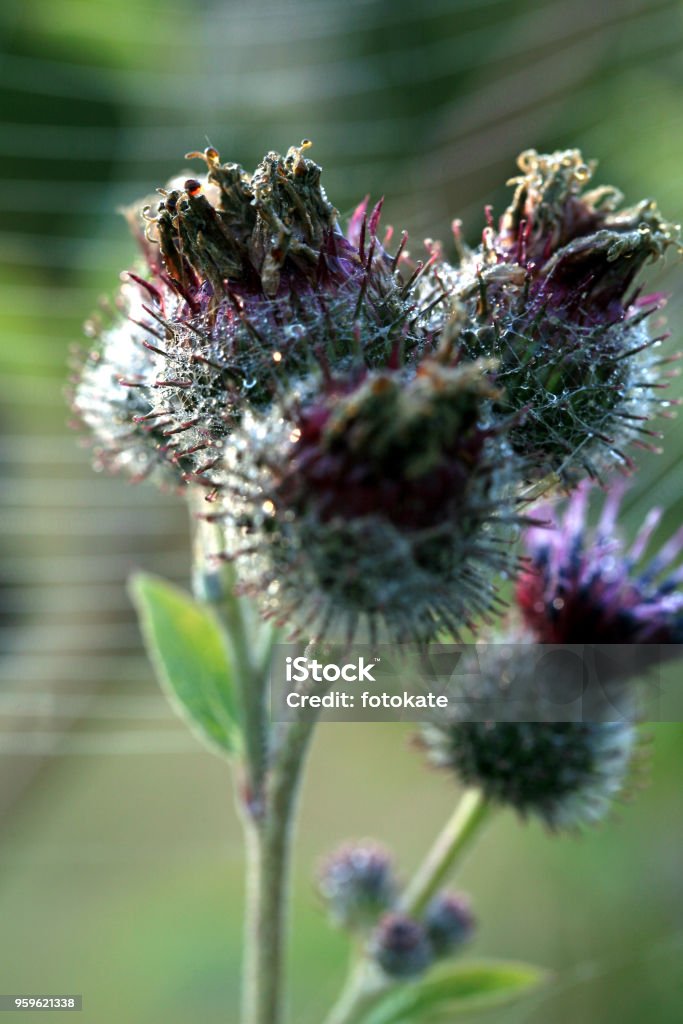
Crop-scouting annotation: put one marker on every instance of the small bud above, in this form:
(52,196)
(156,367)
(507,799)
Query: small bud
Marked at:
(449,922)
(358,884)
(401,947)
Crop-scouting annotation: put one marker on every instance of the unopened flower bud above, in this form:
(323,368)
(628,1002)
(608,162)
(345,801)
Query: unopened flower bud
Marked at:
(509,733)
(358,884)
(449,922)
(400,946)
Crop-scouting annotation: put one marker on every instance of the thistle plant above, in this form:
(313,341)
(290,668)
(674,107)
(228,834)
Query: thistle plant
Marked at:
(363,441)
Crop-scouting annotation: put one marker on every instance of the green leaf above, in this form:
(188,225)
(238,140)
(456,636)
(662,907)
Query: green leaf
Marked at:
(186,646)
(457,989)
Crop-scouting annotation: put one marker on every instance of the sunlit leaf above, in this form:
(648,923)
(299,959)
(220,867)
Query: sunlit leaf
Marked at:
(186,647)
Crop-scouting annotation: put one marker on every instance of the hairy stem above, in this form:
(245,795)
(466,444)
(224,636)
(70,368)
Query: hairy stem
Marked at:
(366,984)
(214,583)
(252,670)
(265,800)
(269,844)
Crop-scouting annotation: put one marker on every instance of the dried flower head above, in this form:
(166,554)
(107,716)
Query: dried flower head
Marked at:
(248,283)
(549,294)
(357,883)
(380,500)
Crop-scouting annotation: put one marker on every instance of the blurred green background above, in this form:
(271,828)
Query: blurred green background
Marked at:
(120,858)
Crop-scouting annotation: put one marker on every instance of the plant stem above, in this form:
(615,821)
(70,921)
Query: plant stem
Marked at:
(265,802)
(243,641)
(452,842)
(362,990)
(269,843)
(214,583)
(366,985)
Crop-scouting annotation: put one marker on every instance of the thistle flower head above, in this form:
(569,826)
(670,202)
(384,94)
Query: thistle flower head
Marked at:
(374,499)
(366,448)
(567,774)
(357,883)
(578,246)
(549,294)
(400,946)
(248,283)
(449,922)
(583,586)
(516,730)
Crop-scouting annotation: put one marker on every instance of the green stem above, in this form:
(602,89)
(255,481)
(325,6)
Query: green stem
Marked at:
(214,583)
(265,814)
(366,984)
(269,846)
(449,847)
(243,642)
(362,990)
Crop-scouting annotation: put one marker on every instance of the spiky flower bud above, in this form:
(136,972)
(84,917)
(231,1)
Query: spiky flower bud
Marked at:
(506,734)
(400,946)
(549,295)
(449,922)
(248,283)
(565,773)
(357,883)
(378,499)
